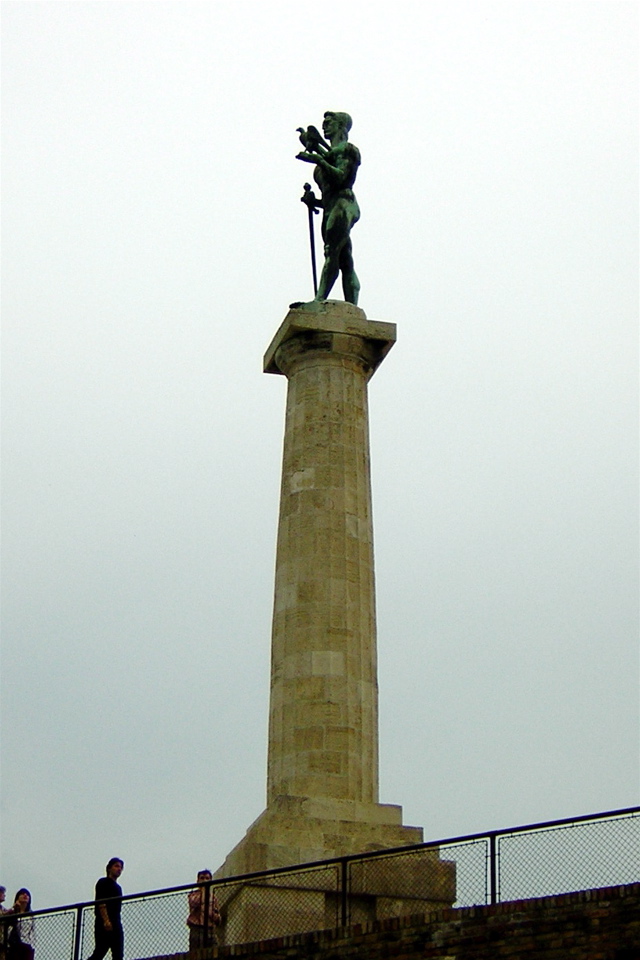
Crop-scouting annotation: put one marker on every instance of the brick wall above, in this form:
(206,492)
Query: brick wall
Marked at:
(590,925)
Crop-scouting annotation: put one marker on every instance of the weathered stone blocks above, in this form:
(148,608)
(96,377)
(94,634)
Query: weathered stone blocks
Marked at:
(322,779)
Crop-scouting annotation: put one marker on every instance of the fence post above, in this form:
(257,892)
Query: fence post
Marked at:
(207,901)
(344,906)
(493,869)
(77,935)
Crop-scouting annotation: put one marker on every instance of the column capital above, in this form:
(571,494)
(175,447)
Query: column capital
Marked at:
(332,326)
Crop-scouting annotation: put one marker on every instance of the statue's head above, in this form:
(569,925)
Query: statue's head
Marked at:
(337,121)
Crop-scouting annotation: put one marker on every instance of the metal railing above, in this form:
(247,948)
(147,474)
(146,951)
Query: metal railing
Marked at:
(521,863)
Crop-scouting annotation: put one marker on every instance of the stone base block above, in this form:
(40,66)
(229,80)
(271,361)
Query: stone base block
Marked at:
(262,912)
(297,830)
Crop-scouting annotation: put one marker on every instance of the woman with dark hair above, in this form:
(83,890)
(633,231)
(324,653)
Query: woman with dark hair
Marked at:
(22,936)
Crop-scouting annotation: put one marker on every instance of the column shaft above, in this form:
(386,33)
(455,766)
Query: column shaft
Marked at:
(323,722)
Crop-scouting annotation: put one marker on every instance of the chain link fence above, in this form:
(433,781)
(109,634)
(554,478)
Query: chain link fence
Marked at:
(577,856)
(521,863)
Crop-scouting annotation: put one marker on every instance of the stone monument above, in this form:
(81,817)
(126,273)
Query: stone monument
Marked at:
(322,783)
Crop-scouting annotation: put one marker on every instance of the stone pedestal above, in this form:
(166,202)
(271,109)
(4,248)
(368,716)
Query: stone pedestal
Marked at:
(322,781)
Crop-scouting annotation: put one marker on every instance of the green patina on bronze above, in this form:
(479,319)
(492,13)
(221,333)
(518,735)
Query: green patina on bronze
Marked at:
(337,164)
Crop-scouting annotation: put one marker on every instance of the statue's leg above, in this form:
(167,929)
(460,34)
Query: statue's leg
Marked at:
(330,272)
(335,232)
(350,282)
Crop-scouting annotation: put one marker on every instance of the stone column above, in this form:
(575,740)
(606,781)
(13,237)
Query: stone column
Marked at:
(322,782)
(323,726)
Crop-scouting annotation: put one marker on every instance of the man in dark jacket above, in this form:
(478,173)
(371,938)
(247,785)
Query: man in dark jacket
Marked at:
(108,926)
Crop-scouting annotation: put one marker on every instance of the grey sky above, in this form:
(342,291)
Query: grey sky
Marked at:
(153,238)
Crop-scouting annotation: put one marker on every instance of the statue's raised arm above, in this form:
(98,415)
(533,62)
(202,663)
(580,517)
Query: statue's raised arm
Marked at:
(337,164)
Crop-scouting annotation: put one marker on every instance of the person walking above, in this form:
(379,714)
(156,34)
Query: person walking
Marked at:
(108,924)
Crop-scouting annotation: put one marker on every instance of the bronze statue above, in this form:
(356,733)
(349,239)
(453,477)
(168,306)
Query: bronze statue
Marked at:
(337,164)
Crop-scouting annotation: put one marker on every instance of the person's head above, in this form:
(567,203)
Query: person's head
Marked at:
(23,900)
(204,876)
(336,124)
(115,867)
(3,894)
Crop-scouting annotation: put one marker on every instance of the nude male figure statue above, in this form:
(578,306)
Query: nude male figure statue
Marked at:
(335,174)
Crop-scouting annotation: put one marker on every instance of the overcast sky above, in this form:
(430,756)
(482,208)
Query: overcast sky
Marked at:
(153,239)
